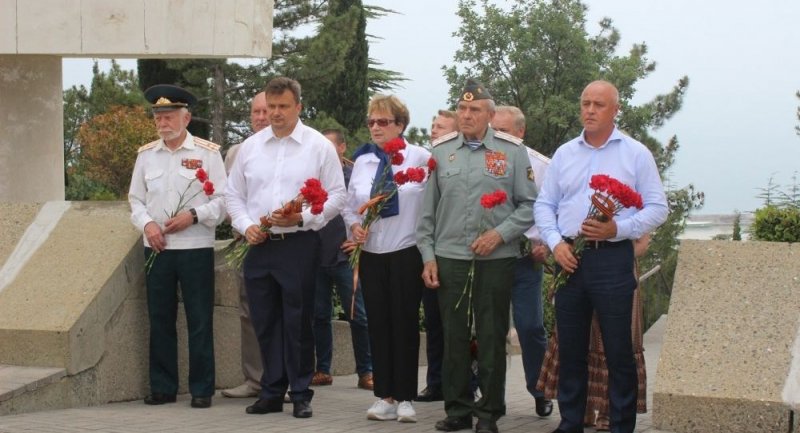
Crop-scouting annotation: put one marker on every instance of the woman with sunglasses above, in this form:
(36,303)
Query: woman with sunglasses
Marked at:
(390,265)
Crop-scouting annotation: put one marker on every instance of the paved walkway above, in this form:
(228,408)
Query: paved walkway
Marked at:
(337,408)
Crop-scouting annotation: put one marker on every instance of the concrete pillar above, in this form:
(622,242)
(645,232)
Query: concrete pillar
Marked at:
(31,129)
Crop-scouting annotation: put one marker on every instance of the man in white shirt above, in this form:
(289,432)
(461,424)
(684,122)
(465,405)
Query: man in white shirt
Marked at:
(177,211)
(280,268)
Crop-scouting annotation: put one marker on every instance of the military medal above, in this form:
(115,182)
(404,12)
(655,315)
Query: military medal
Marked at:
(495,163)
(452,157)
(192,164)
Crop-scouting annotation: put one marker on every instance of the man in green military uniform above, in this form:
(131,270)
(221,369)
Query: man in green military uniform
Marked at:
(177,209)
(455,234)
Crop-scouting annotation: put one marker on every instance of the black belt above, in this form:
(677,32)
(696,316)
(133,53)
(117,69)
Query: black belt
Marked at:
(281,236)
(599,244)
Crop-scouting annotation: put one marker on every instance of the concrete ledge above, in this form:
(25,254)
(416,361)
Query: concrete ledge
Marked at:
(726,352)
(343,362)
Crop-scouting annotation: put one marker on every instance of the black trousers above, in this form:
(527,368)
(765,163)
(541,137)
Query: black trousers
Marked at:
(280,277)
(434,338)
(194,270)
(604,283)
(392,284)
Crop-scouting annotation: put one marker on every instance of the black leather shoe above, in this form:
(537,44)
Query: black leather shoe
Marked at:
(452,423)
(201,402)
(262,406)
(485,426)
(430,394)
(302,409)
(544,407)
(558,430)
(157,398)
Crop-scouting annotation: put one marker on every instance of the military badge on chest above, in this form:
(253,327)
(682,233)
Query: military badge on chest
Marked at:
(192,164)
(495,163)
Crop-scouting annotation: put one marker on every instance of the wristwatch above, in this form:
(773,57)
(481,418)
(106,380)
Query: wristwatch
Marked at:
(194,215)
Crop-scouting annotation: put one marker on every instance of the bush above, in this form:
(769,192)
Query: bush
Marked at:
(776,224)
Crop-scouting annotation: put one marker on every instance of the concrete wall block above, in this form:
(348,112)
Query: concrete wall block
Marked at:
(113,26)
(61,22)
(727,347)
(28,82)
(8,22)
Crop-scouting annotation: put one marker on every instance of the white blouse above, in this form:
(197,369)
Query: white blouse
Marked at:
(392,233)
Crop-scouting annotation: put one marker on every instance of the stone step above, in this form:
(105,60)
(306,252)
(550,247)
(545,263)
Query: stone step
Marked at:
(16,380)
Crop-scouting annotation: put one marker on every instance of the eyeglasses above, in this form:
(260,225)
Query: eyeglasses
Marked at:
(381,122)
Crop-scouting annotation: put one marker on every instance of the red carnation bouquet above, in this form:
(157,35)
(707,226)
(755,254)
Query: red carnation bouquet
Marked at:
(312,194)
(488,201)
(382,196)
(610,196)
(208,188)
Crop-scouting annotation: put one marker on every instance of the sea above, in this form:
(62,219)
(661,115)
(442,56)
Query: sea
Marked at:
(711,226)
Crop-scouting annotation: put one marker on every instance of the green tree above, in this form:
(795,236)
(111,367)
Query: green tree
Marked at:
(113,87)
(770,193)
(417,136)
(538,56)
(737,227)
(109,142)
(338,82)
(797,128)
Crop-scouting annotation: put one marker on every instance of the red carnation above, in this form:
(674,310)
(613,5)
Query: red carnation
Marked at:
(415,174)
(201,175)
(599,182)
(313,193)
(208,187)
(400,178)
(431,164)
(394,146)
(397,159)
(492,199)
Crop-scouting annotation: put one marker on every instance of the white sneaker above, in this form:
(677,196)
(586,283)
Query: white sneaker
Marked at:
(406,412)
(381,410)
(242,391)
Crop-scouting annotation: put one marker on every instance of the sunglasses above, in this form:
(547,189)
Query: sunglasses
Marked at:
(381,122)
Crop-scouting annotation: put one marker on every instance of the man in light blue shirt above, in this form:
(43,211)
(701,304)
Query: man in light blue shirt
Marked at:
(603,279)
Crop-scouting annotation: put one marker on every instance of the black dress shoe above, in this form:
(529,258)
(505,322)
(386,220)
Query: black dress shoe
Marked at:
(157,398)
(302,409)
(558,430)
(544,407)
(201,402)
(262,406)
(485,426)
(453,423)
(430,394)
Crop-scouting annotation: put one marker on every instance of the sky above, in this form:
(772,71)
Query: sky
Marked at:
(736,127)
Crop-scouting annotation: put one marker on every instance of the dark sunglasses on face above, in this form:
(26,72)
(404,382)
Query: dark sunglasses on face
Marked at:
(381,122)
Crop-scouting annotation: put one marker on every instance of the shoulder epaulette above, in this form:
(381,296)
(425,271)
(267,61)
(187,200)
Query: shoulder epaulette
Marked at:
(147,146)
(205,144)
(537,155)
(508,137)
(447,137)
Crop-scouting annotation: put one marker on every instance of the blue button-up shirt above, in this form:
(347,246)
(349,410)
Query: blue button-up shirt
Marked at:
(564,199)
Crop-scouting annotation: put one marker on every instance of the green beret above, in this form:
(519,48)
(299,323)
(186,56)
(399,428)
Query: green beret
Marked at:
(473,91)
(165,97)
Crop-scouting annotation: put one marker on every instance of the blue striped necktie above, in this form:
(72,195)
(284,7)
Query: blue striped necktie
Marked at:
(473,144)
